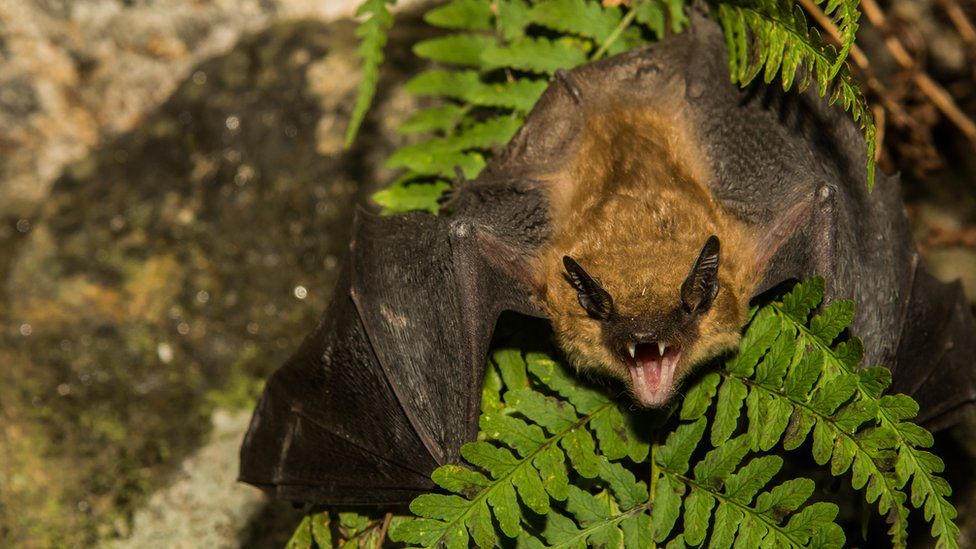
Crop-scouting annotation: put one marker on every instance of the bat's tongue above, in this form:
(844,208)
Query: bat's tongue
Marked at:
(653,373)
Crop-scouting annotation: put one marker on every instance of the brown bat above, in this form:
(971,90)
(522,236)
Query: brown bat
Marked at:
(642,206)
(652,300)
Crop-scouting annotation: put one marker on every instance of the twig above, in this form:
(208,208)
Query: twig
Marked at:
(624,23)
(879,125)
(386,525)
(959,20)
(936,93)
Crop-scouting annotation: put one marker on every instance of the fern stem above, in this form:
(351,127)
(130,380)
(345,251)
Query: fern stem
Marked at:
(619,30)
(655,473)
(720,496)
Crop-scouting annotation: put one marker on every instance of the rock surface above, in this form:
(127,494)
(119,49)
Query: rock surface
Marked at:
(74,73)
(203,506)
(167,273)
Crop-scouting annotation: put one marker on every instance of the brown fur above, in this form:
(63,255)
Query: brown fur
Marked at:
(637,212)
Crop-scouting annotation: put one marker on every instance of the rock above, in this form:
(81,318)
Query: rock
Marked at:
(203,506)
(169,272)
(75,73)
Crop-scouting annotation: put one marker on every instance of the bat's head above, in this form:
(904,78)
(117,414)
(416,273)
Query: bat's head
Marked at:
(648,333)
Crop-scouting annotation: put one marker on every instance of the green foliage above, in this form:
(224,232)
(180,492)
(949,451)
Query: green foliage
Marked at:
(372,33)
(555,447)
(559,463)
(313,531)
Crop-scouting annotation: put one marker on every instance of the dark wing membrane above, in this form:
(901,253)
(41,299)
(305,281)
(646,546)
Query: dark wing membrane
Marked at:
(430,333)
(329,427)
(936,351)
(388,386)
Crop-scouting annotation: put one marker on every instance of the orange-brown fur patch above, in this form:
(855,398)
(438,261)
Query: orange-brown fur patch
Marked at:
(637,211)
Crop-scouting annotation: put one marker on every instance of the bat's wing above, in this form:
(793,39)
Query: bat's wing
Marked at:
(388,385)
(794,167)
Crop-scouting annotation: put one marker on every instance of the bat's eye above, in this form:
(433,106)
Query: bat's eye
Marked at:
(592,297)
(700,288)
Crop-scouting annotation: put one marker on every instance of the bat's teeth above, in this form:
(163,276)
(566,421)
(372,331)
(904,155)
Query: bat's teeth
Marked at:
(661,347)
(632,349)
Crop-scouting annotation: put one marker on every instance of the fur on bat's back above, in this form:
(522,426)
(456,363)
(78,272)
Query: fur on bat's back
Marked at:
(633,207)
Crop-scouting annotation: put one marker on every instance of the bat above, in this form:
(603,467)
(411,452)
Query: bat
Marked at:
(641,207)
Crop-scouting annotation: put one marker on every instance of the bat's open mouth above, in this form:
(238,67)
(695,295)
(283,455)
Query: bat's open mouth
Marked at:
(651,366)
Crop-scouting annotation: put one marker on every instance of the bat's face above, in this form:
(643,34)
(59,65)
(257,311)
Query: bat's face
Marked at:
(648,336)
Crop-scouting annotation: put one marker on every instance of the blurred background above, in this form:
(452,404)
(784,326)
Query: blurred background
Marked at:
(174,201)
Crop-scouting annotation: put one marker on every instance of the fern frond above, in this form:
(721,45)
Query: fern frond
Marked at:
(529,441)
(890,437)
(773,37)
(372,33)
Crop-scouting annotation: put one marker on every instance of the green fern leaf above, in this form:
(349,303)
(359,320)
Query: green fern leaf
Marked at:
(699,396)
(628,491)
(372,33)
(580,17)
(786,497)
(460,480)
(461,14)
(539,55)
(675,454)
(831,322)
(773,36)
(512,368)
(651,14)
(719,462)
(698,513)
(513,432)
(506,508)
(586,508)
(519,95)
(580,449)
(413,197)
(728,517)
(513,17)
(552,414)
(730,398)
(667,507)
(638,531)
(438,119)
(302,537)
(814,517)
(444,83)
(552,375)
(497,461)
(551,464)
(457,49)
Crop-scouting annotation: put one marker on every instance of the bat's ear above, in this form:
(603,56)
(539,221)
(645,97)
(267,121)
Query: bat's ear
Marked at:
(699,289)
(592,297)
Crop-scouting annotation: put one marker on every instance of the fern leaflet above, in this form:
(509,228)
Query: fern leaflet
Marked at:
(372,33)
